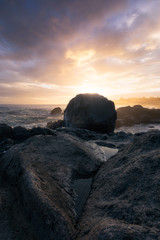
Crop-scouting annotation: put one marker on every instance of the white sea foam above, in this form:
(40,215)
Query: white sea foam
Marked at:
(28,115)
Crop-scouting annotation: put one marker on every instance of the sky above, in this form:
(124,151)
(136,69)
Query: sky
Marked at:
(52,50)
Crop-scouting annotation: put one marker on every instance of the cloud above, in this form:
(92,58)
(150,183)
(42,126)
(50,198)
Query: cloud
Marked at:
(73,44)
(31,22)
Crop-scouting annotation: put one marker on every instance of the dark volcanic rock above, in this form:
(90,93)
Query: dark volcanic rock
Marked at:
(36,177)
(83,133)
(124,202)
(5,131)
(41,131)
(56,111)
(5,145)
(10,136)
(20,133)
(114,140)
(105,144)
(128,116)
(91,111)
(55,125)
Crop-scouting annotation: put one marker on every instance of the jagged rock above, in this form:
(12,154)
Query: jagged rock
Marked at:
(117,139)
(5,131)
(11,136)
(20,133)
(41,131)
(56,124)
(91,111)
(5,145)
(128,116)
(124,200)
(56,111)
(36,186)
(83,133)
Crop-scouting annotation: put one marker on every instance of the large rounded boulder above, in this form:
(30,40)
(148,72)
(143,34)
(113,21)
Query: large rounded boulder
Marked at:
(91,111)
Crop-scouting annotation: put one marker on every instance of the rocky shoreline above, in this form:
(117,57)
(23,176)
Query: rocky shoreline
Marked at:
(70,183)
(39,197)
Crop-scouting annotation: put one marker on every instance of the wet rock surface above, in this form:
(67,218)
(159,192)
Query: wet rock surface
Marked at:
(91,111)
(124,200)
(57,185)
(37,178)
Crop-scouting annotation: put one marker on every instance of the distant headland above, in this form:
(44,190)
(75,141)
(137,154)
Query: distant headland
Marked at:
(144,101)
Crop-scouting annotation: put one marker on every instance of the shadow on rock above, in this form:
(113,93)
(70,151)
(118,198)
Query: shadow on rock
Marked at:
(39,175)
(124,200)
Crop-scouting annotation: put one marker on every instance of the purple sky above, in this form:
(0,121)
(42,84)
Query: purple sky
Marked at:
(51,50)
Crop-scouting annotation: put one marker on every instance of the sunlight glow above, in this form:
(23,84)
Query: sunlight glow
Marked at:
(80,57)
(42,85)
(87,88)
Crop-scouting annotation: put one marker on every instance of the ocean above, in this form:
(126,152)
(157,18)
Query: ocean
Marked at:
(29,116)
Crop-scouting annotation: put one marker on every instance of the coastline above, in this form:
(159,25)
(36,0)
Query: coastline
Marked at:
(42,169)
(65,181)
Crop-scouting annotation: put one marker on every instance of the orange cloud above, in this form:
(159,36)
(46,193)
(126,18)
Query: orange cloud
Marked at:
(111,47)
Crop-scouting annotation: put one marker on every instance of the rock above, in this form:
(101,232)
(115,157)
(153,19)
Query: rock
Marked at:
(56,111)
(20,133)
(83,133)
(91,111)
(128,116)
(41,131)
(117,140)
(11,136)
(5,131)
(105,144)
(5,145)
(114,140)
(121,136)
(37,178)
(56,124)
(124,200)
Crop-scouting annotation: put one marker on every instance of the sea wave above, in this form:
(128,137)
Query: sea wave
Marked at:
(28,115)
